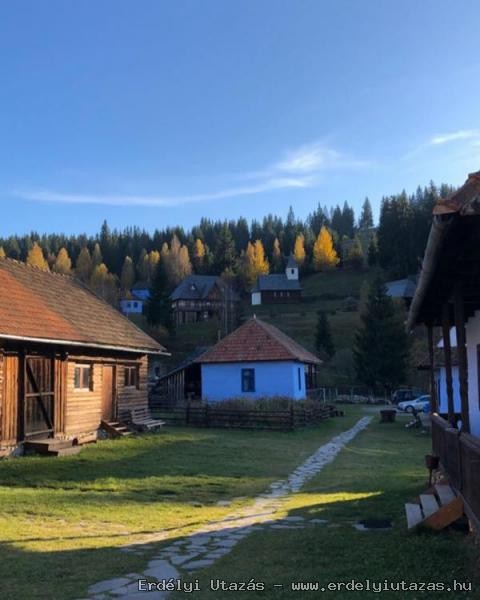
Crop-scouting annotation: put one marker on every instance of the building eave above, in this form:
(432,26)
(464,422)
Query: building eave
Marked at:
(37,340)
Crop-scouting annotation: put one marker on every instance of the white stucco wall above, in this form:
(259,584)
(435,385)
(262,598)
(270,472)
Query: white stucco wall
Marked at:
(256,298)
(224,380)
(473,340)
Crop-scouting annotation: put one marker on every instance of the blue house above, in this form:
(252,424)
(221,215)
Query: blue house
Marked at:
(134,302)
(257,360)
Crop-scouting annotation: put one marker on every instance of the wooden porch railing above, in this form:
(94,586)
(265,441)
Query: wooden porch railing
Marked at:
(459,455)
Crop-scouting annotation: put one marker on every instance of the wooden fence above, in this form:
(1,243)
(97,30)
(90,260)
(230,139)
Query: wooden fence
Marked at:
(459,455)
(208,415)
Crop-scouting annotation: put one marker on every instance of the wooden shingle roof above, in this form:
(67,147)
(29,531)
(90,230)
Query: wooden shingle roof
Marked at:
(256,341)
(42,306)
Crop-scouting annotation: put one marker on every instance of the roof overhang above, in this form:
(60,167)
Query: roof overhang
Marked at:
(80,344)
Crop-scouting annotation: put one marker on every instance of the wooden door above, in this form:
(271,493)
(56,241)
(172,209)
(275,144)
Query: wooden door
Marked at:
(108,393)
(39,397)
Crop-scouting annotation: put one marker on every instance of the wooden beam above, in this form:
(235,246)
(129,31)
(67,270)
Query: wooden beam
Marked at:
(433,393)
(462,356)
(447,351)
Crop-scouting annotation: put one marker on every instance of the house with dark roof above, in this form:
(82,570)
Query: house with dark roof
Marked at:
(403,289)
(69,361)
(202,297)
(134,301)
(278,287)
(257,360)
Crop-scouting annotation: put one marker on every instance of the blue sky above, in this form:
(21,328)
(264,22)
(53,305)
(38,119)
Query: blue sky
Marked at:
(156,113)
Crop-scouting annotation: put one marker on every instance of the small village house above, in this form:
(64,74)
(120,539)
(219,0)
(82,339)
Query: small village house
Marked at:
(257,360)
(448,295)
(278,287)
(68,361)
(133,303)
(203,297)
(403,289)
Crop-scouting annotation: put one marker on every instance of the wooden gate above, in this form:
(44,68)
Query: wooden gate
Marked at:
(39,397)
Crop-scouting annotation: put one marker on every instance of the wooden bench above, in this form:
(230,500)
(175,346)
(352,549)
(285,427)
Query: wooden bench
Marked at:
(142,420)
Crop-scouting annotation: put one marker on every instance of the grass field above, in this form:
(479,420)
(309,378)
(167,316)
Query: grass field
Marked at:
(372,478)
(62,520)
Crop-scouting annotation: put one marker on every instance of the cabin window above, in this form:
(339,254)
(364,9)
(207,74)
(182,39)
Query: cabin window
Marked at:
(83,379)
(299,378)
(248,380)
(135,305)
(131,377)
(292,271)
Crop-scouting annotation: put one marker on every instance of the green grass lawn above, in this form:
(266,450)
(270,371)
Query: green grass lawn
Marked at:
(372,478)
(62,520)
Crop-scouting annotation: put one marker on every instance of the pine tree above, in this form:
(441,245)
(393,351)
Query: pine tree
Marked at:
(127,278)
(142,266)
(366,216)
(277,262)
(323,337)
(324,255)
(381,343)
(158,308)
(2,252)
(355,254)
(225,252)
(84,266)
(199,255)
(63,263)
(35,258)
(299,250)
(373,251)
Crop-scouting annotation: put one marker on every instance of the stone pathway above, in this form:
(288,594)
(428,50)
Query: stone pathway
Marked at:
(202,548)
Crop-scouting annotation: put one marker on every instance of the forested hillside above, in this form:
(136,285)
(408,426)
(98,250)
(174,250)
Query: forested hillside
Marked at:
(113,260)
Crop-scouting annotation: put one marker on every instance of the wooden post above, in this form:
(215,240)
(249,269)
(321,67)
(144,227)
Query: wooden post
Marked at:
(447,351)
(462,357)
(431,355)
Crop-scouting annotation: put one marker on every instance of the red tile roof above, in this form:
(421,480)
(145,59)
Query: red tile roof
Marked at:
(254,341)
(43,305)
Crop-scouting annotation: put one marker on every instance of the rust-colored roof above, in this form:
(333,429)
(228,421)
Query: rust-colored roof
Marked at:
(44,305)
(466,200)
(255,341)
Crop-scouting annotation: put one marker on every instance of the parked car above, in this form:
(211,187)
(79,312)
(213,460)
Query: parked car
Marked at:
(421,404)
(404,394)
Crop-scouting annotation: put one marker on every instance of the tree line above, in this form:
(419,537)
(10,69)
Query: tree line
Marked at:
(112,261)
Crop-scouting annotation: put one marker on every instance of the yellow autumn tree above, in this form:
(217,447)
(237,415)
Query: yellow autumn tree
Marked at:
(127,276)
(153,260)
(83,266)
(199,255)
(324,255)
(2,252)
(254,263)
(35,258)
(104,283)
(276,256)
(260,260)
(299,249)
(63,263)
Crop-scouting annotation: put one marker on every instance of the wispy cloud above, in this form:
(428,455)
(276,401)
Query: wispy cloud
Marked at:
(299,168)
(462,134)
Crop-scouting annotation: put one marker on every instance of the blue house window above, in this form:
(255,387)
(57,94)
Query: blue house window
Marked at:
(299,379)
(248,380)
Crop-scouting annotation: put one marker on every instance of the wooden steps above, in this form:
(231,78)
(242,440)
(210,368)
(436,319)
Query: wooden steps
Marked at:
(116,429)
(437,508)
(52,447)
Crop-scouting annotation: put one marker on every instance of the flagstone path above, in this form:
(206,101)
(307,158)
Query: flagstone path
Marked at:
(204,547)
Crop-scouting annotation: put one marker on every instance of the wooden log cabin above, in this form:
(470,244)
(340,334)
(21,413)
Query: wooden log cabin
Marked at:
(68,360)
